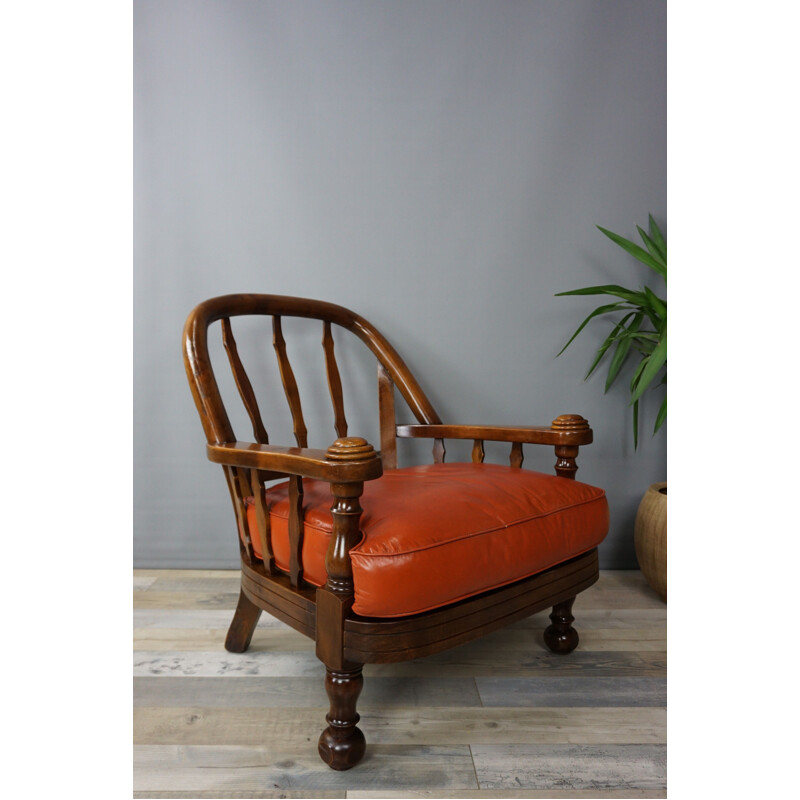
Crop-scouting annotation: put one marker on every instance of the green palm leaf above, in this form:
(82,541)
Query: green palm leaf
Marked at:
(662,415)
(618,291)
(652,364)
(610,339)
(642,329)
(636,251)
(658,239)
(622,351)
(653,250)
(657,304)
(601,310)
(638,374)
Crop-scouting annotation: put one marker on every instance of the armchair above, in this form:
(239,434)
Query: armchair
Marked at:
(380,563)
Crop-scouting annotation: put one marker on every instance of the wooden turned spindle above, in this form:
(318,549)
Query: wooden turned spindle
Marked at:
(346,512)
(566,454)
(565,461)
(560,637)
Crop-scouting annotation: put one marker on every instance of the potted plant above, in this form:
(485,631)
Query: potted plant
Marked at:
(640,331)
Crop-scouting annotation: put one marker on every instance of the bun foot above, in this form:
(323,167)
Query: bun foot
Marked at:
(342,748)
(560,637)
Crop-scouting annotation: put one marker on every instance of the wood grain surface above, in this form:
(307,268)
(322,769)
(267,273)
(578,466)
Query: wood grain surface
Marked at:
(500,717)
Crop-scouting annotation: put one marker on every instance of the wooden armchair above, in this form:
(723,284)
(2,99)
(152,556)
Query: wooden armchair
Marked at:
(378,563)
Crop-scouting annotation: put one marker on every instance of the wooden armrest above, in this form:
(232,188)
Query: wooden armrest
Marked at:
(346,461)
(568,429)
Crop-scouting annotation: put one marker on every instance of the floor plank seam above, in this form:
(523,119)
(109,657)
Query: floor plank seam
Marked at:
(474,768)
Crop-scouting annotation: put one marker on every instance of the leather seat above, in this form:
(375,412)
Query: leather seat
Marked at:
(438,533)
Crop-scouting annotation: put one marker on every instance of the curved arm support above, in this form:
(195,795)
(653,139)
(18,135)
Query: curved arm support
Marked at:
(567,430)
(307,462)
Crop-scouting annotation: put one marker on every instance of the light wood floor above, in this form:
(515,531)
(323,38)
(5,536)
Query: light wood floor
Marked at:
(499,717)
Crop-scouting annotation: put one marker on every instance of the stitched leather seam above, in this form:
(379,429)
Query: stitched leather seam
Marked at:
(356,548)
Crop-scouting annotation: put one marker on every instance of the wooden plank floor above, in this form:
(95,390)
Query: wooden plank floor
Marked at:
(500,717)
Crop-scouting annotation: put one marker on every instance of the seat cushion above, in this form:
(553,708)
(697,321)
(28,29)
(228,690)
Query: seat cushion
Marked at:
(436,534)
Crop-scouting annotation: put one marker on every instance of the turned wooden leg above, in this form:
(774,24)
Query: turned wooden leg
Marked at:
(342,744)
(242,626)
(560,636)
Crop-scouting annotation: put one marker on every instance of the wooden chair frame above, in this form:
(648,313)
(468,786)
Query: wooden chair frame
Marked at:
(344,640)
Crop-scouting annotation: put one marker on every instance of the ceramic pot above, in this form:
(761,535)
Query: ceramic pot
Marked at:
(650,537)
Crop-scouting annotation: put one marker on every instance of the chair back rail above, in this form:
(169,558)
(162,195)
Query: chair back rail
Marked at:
(214,417)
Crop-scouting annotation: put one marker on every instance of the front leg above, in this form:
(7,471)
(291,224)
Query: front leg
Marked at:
(342,744)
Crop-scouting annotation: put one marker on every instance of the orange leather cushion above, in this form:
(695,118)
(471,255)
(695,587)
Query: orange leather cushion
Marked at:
(435,534)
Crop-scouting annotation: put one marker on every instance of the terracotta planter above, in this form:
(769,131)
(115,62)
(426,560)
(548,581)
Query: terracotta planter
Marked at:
(650,537)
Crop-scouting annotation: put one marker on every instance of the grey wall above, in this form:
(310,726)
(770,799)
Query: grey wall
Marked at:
(438,167)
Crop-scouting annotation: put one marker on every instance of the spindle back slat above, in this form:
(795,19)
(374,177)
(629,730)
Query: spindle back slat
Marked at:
(296,530)
(334,381)
(262,520)
(239,489)
(289,383)
(243,383)
(478,452)
(439,451)
(516,454)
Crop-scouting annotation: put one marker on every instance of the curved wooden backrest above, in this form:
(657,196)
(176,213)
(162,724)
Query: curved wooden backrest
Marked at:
(392,371)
